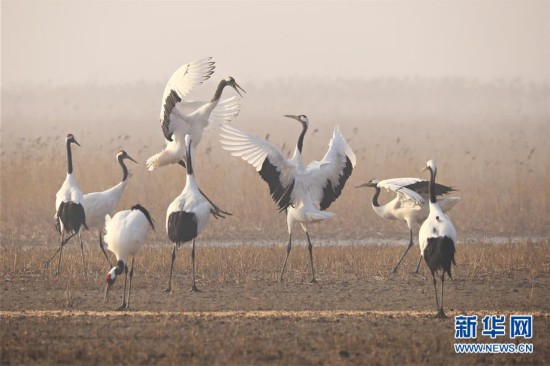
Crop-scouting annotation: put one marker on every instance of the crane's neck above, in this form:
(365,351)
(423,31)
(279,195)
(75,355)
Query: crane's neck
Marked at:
(119,269)
(124,168)
(69,158)
(189,161)
(432,186)
(218,93)
(375,198)
(300,143)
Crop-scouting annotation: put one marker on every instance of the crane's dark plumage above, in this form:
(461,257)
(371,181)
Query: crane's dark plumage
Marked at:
(280,194)
(182,226)
(330,193)
(439,254)
(146,213)
(423,186)
(72,216)
(169,104)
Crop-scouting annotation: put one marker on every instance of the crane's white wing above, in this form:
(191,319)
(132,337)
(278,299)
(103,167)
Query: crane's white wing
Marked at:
(399,185)
(225,111)
(326,178)
(268,161)
(182,81)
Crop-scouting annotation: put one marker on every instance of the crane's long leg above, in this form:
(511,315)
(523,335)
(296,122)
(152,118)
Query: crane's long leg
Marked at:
(194,286)
(169,288)
(123,306)
(310,250)
(435,289)
(441,313)
(418,264)
(288,247)
(405,253)
(130,287)
(63,242)
(82,254)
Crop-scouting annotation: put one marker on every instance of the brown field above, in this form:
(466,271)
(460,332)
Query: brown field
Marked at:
(357,313)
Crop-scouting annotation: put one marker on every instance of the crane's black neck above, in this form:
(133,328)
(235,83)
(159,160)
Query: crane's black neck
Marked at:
(69,158)
(432,186)
(119,267)
(124,168)
(301,138)
(189,163)
(375,197)
(219,90)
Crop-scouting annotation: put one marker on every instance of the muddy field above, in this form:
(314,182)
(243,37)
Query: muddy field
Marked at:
(358,312)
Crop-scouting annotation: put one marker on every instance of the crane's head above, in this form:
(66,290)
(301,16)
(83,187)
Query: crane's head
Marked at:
(70,139)
(301,118)
(232,83)
(112,275)
(124,155)
(371,183)
(430,165)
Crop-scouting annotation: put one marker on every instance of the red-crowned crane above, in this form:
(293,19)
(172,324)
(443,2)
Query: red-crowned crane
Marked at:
(98,204)
(187,215)
(125,234)
(179,118)
(70,217)
(304,192)
(437,238)
(411,210)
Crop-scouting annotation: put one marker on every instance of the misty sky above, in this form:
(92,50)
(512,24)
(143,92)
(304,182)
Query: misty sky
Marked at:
(67,42)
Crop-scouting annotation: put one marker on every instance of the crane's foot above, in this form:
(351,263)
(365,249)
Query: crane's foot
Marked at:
(394,270)
(46,264)
(123,307)
(441,314)
(167,289)
(194,288)
(313,280)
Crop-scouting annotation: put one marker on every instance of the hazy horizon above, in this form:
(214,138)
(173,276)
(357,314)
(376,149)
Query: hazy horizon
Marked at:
(110,43)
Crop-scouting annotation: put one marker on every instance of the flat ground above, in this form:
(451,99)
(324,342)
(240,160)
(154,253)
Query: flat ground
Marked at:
(357,313)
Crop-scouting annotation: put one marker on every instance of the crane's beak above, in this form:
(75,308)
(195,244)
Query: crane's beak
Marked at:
(76,142)
(107,289)
(424,169)
(130,158)
(237,87)
(291,116)
(363,185)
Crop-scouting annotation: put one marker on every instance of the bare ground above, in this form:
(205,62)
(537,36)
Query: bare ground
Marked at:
(358,313)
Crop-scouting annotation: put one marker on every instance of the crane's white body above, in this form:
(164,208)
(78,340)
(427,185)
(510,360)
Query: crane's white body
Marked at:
(125,233)
(98,204)
(192,201)
(437,225)
(180,117)
(69,192)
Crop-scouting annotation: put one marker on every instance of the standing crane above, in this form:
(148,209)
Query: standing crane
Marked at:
(403,207)
(304,192)
(70,217)
(125,234)
(98,204)
(437,238)
(187,215)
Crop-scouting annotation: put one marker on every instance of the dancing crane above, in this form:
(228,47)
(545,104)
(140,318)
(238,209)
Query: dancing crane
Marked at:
(304,192)
(179,118)
(187,215)
(403,207)
(437,238)
(70,217)
(98,204)
(125,234)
